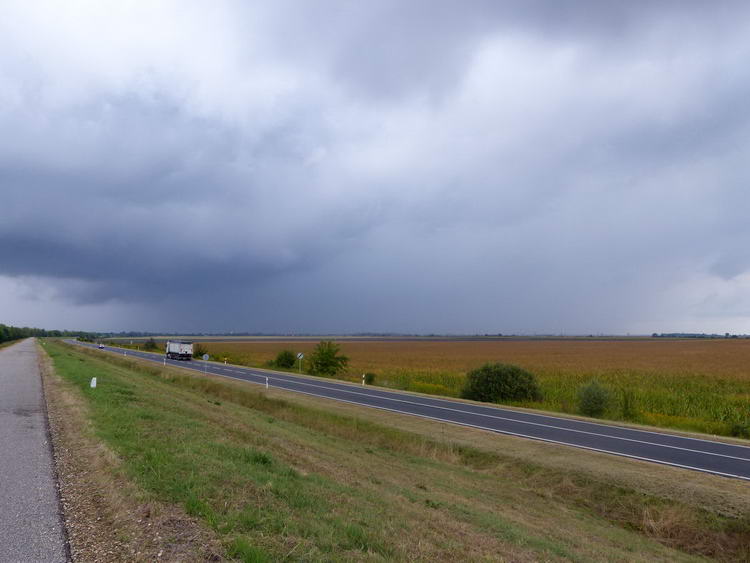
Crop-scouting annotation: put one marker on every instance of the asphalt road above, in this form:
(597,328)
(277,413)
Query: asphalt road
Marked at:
(709,456)
(30,525)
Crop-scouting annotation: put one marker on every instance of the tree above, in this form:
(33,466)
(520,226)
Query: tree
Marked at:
(285,359)
(326,359)
(495,382)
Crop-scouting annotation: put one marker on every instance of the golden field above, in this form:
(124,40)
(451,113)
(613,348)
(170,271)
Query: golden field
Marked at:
(701,385)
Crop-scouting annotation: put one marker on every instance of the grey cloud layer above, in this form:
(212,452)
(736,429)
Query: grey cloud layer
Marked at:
(344,166)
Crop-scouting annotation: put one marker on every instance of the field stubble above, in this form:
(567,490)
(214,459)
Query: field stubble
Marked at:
(696,385)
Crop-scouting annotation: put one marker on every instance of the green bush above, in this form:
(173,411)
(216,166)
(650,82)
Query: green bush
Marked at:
(199,350)
(495,382)
(593,399)
(740,430)
(150,344)
(369,378)
(285,359)
(326,359)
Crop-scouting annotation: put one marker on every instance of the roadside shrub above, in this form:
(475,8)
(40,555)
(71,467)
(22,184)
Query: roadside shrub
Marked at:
(285,359)
(369,378)
(327,360)
(150,344)
(496,382)
(199,350)
(740,430)
(593,399)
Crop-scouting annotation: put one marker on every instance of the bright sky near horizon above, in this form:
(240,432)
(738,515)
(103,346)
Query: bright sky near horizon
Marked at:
(334,166)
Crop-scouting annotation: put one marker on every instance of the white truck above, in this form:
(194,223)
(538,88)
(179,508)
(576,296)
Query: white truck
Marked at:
(179,350)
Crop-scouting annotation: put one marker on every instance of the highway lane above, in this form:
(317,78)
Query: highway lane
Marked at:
(705,455)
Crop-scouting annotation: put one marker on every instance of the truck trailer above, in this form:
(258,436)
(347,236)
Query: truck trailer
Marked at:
(179,350)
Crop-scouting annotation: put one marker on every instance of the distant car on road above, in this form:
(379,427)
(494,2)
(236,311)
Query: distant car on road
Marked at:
(101,346)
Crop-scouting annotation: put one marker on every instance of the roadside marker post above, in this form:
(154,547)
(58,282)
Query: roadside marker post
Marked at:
(363,380)
(205,363)
(299,357)
(266,382)
(93,382)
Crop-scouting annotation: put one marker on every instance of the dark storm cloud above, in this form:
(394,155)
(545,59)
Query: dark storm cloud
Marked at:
(419,166)
(423,46)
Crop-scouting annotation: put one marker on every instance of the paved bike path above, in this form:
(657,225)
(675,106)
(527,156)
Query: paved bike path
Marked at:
(31,528)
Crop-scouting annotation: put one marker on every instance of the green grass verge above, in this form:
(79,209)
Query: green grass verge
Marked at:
(668,397)
(281,481)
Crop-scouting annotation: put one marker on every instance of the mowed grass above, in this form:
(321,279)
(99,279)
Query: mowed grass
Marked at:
(698,385)
(284,481)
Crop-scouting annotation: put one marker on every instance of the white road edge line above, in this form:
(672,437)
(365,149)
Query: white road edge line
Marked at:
(661,462)
(514,420)
(551,417)
(250,373)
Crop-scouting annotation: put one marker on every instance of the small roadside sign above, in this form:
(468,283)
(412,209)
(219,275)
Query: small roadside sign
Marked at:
(205,357)
(300,356)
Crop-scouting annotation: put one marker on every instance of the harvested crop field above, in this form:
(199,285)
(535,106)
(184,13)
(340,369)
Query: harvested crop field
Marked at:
(700,385)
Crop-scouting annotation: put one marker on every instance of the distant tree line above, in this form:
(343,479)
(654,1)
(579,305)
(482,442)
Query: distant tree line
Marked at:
(8,333)
(696,335)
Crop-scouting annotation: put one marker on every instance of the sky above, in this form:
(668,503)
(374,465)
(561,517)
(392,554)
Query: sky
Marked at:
(428,166)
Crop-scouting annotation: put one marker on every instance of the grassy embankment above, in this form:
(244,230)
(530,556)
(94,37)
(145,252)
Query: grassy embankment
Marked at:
(283,479)
(701,386)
